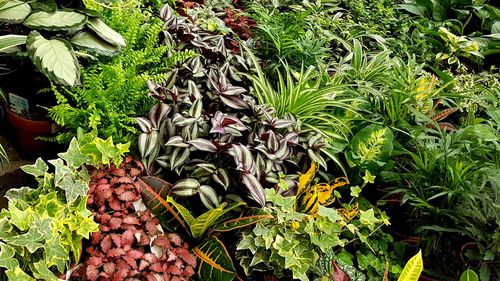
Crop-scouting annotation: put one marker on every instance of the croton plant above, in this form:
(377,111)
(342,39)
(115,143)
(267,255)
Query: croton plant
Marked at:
(209,133)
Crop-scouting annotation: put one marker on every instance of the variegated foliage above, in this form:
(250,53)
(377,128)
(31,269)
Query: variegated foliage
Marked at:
(209,133)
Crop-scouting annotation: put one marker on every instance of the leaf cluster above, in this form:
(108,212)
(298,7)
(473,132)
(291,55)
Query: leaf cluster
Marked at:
(51,26)
(208,132)
(214,261)
(113,91)
(295,241)
(42,228)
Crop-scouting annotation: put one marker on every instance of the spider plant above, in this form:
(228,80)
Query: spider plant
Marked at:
(312,98)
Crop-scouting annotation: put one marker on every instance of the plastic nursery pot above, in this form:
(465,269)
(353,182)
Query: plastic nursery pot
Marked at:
(27,131)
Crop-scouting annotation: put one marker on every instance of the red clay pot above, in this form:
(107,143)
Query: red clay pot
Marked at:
(26,131)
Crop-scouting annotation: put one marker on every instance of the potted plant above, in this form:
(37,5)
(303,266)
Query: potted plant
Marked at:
(39,38)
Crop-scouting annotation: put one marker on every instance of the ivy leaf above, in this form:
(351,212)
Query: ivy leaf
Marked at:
(368,218)
(368,177)
(5,227)
(43,226)
(18,274)
(109,152)
(20,218)
(55,253)
(74,189)
(38,169)
(6,257)
(57,20)
(329,213)
(355,190)
(31,240)
(40,271)
(62,172)
(73,156)
(54,58)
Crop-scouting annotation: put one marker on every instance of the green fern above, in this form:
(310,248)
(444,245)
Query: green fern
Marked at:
(114,91)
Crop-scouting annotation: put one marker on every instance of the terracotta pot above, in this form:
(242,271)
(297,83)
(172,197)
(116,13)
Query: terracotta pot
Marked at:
(26,131)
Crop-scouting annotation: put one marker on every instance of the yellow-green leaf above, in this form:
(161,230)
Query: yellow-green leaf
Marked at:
(413,268)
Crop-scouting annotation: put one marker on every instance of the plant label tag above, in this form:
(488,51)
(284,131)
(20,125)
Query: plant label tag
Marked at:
(19,105)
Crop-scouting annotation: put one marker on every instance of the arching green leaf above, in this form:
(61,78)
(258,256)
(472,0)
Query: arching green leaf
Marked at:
(90,41)
(55,58)
(10,41)
(214,262)
(13,11)
(413,268)
(57,20)
(249,217)
(106,32)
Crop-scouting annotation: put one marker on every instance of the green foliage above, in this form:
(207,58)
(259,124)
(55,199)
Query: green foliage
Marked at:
(56,58)
(295,241)
(114,91)
(287,36)
(367,262)
(313,98)
(449,178)
(457,46)
(370,148)
(42,229)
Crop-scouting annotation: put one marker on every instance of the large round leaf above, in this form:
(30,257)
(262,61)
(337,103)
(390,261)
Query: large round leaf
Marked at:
(13,11)
(54,58)
(10,41)
(90,41)
(106,32)
(58,20)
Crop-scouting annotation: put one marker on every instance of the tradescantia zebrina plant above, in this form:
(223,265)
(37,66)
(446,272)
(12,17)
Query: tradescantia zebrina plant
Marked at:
(209,133)
(49,29)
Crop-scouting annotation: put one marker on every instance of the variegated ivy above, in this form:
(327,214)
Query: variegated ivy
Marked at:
(208,133)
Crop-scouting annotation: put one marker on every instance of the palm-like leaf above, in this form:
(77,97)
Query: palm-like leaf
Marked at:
(317,102)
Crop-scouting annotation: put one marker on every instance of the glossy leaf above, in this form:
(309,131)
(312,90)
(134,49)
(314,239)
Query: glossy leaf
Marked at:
(249,217)
(413,268)
(154,190)
(214,262)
